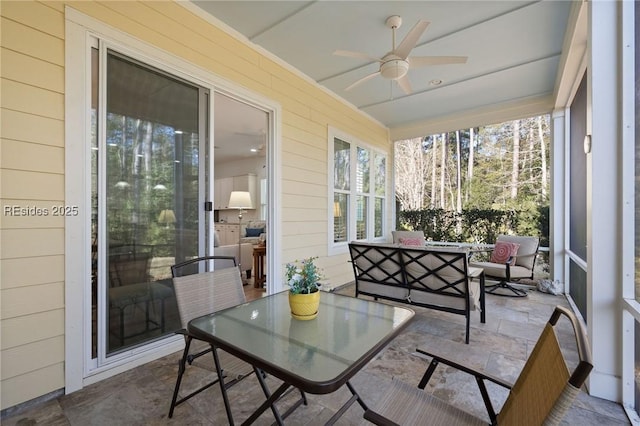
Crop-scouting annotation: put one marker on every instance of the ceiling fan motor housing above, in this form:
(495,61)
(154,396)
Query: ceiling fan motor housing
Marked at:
(394,68)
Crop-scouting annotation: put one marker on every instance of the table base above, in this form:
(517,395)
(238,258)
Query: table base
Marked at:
(282,389)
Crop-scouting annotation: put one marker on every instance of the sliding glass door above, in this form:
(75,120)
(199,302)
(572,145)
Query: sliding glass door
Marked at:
(148,187)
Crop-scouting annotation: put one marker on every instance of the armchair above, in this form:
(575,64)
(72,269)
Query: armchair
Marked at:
(408,237)
(512,258)
(254,232)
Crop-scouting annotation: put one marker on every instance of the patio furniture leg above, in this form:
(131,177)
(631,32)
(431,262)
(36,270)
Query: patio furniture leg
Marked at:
(354,397)
(121,327)
(483,315)
(269,402)
(267,393)
(491,289)
(181,368)
(223,389)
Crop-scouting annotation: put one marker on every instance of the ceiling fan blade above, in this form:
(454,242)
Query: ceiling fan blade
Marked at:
(362,80)
(423,61)
(410,40)
(351,54)
(405,85)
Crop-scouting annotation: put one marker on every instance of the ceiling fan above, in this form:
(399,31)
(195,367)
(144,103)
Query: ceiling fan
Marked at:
(396,63)
(260,136)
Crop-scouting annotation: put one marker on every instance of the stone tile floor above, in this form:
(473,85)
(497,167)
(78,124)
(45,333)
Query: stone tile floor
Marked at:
(141,396)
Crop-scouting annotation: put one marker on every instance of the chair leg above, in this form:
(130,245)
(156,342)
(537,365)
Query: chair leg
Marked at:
(483,311)
(121,327)
(181,368)
(468,315)
(427,374)
(492,289)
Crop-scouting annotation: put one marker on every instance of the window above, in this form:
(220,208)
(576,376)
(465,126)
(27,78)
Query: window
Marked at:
(359,208)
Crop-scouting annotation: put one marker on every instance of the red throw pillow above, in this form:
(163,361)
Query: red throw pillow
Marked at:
(503,251)
(409,241)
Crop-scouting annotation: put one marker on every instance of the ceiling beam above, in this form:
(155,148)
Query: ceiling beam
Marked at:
(497,113)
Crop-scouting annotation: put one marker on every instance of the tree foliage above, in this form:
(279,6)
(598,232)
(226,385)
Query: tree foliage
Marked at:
(495,177)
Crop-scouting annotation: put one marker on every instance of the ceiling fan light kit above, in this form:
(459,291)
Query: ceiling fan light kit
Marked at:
(396,64)
(394,69)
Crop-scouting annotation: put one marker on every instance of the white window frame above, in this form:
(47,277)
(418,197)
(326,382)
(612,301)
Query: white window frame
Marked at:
(354,144)
(630,305)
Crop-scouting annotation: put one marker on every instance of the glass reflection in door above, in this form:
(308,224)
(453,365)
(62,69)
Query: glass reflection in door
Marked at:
(151,197)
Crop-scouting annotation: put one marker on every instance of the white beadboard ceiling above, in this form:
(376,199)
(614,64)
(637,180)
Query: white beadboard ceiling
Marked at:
(514,49)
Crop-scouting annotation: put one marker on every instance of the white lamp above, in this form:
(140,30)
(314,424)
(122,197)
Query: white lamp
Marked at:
(240,200)
(167,217)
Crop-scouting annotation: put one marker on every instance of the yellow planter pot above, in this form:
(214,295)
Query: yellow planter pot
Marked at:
(304,306)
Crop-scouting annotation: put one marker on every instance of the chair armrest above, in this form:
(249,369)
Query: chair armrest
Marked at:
(473,372)
(480,250)
(479,376)
(378,419)
(476,251)
(527,255)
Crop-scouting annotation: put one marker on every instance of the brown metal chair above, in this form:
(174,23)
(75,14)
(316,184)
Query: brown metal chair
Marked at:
(200,291)
(542,394)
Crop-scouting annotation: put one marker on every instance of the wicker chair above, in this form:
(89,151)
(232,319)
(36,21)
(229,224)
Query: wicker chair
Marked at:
(200,292)
(542,394)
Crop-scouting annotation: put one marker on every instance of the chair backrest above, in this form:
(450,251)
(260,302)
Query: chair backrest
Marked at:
(545,388)
(129,268)
(207,292)
(202,264)
(396,235)
(526,256)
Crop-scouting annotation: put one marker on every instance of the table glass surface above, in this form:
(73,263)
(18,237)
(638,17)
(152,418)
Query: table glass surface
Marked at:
(319,350)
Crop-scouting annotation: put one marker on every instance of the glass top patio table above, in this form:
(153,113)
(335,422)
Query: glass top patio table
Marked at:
(317,356)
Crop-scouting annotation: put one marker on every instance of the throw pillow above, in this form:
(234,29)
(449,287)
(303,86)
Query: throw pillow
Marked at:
(408,241)
(254,232)
(503,251)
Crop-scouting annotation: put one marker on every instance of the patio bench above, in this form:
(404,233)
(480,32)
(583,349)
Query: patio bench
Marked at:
(435,278)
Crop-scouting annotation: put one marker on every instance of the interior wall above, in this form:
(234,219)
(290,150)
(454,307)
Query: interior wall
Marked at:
(32,165)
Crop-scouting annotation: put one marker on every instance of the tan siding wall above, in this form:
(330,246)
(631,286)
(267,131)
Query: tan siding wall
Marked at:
(31,175)
(32,162)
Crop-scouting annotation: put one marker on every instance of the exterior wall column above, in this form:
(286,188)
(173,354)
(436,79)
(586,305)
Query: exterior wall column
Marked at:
(604,230)
(558,206)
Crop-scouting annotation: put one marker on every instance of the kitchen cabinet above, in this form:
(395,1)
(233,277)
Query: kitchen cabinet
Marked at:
(223,186)
(227,233)
(221,192)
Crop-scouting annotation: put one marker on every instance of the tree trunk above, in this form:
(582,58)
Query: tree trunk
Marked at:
(411,170)
(516,156)
(543,157)
(434,164)
(470,163)
(443,166)
(458,174)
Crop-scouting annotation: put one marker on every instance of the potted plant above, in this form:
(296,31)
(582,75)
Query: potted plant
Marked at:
(304,295)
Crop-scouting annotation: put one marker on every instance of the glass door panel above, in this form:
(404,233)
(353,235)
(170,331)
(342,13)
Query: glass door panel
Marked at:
(152,192)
